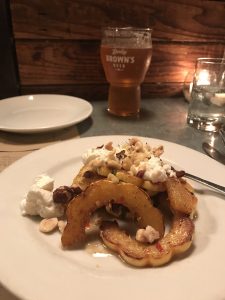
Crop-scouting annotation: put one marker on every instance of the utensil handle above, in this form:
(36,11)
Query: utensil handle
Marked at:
(222,135)
(216,187)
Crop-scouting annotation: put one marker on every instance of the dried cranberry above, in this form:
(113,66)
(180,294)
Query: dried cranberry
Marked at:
(140,173)
(88,174)
(64,194)
(180,174)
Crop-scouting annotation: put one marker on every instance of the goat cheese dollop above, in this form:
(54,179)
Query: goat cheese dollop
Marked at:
(39,199)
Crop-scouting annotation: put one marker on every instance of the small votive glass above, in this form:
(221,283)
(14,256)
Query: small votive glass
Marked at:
(207,106)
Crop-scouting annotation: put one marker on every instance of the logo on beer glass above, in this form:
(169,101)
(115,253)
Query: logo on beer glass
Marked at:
(119,59)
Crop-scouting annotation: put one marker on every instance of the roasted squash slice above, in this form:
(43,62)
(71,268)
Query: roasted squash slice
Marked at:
(128,178)
(181,199)
(85,177)
(137,254)
(102,193)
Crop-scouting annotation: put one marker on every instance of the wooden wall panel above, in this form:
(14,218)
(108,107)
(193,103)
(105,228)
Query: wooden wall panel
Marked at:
(75,62)
(192,20)
(57,41)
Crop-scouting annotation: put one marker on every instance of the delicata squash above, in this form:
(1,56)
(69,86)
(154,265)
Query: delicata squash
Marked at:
(137,254)
(182,203)
(181,199)
(102,193)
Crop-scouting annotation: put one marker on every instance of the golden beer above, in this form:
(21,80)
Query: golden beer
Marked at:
(125,55)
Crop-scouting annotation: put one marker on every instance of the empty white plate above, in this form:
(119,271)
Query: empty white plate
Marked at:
(42,112)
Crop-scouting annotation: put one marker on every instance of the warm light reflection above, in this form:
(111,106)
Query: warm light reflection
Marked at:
(31,98)
(101,255)
(203,78)
(212,139)
(190,87)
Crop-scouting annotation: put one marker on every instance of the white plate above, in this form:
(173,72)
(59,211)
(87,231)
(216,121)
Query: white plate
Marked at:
(39,113)
(34,266)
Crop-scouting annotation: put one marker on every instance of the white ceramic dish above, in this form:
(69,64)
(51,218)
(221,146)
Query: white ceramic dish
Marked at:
(43,112)
(34,267)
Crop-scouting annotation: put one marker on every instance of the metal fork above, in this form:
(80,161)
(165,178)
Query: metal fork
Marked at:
(216,187)
(222,135)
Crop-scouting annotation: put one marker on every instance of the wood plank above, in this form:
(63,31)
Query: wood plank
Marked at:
(44,63)
(8,71)
(92,92)
(193,20)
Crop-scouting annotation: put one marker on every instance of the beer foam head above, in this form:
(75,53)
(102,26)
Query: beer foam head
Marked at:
(127,37)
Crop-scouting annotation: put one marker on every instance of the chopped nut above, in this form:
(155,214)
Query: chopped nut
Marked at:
(133,141)
(48,225)
(126,163)
(154,187)
(112,154)
(158,151)
(138,146)
(114,164)
(103,171)
(95,163)
(113,178)
(109,146)
(61,225)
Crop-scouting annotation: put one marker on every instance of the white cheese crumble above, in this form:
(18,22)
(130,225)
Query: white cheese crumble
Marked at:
(154,170)
(39,199)
(133,157)
(99,153)
(147,235)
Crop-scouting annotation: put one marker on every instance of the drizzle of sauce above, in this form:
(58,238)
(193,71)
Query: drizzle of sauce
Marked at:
(97,249)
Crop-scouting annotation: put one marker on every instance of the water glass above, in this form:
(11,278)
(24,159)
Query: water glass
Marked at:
(207,106)
(126,55)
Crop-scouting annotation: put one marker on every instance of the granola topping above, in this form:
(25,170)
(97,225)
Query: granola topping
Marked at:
(135,157)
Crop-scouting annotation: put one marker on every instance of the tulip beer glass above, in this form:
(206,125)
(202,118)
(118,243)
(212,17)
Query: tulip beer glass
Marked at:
(126,55)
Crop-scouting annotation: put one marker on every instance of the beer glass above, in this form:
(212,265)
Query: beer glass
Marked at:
(126,55)
(207,106)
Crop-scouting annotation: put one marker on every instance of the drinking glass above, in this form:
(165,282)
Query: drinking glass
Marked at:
(207,106)
(126,55)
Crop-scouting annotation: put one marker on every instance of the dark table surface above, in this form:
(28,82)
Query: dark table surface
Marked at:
(161,118)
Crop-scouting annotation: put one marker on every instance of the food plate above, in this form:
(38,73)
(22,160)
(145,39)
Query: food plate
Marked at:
(43,112)
(33,265)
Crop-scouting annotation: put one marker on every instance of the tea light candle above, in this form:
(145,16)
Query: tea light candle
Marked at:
(203,78)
